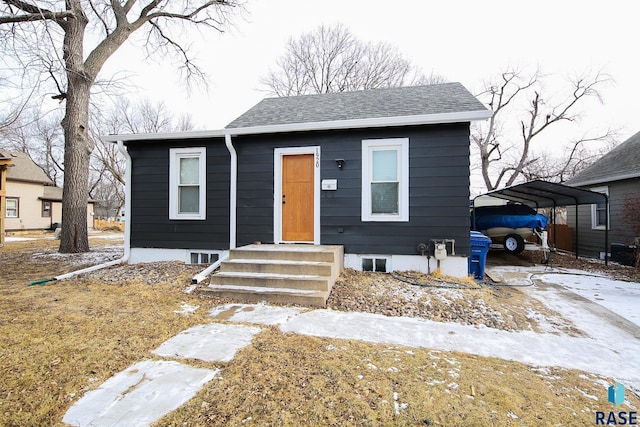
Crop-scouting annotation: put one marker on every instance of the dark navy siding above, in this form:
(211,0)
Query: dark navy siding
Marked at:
(438,191)
(438,188)
(591,241)
(150,224)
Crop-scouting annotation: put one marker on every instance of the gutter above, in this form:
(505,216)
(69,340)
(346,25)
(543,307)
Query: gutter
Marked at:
(127,229)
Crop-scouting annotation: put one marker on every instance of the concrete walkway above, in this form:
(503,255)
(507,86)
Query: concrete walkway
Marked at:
(147,391)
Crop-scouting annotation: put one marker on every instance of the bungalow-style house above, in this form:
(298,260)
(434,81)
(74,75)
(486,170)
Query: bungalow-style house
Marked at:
(375,172)
(32,201)
(616,174)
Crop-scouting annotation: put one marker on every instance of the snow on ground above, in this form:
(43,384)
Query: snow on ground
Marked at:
(96,256)
(139,395)
(212,343)
(623,298)
(614,357)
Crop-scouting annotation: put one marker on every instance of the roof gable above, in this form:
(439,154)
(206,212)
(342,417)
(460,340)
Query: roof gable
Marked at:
(620,163)
(25,169)
(440,99)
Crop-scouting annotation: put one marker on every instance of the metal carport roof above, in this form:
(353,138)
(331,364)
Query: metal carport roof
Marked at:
(543,194)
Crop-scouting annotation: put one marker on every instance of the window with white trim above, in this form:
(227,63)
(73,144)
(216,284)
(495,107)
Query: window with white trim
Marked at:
(11,208)
(599,211)
(385,179)
(187,183)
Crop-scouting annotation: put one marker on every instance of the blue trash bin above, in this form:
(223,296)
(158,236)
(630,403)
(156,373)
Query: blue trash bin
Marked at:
(478,258)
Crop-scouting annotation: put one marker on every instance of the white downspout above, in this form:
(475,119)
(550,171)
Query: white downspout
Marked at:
(127,202)
(127,227)
(233,192)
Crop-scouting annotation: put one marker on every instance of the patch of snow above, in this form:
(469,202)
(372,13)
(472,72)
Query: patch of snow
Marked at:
(623,298)
(189,289)
(186,309)
(261,314)
(210,343)
(609,354)
(588,396)
(139,395)
(512,415)
(98,255)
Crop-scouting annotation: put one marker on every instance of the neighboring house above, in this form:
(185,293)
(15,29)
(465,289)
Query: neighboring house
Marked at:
(32,201)
(5,163)
(376,171)
(616,174)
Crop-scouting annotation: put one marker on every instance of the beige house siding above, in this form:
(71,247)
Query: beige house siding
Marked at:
(30,203)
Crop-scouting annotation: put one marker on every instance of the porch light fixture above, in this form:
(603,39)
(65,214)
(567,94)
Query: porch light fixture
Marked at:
(340,163)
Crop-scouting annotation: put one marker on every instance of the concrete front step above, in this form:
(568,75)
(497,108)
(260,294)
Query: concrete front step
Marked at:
(253,294)
(288,252)
(268,280)
(277,267)
(290,274)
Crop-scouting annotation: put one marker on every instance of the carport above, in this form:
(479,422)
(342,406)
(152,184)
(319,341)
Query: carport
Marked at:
(542,194)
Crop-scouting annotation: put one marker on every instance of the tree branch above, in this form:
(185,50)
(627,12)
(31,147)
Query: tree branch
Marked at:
(33,13)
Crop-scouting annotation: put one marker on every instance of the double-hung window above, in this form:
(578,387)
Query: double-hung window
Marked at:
(187,183)
(11,208)
(46,209)
(599,214)
(385,179)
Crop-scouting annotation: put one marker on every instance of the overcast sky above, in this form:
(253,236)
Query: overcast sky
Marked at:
(465,41)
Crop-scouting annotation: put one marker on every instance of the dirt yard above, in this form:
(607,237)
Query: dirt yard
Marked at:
(62,339)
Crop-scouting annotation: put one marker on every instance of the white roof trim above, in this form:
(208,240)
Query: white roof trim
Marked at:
(218,133)
(423,119)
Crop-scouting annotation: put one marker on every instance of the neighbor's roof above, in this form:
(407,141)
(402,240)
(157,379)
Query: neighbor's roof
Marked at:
(623,162)
(24,169)
(405,106)
(441,103)
(52,193)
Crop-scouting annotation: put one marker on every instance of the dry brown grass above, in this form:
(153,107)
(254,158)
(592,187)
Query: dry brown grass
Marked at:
(59,340)
(286,379)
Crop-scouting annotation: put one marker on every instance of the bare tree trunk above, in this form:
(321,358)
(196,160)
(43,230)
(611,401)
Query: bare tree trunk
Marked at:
(77,146)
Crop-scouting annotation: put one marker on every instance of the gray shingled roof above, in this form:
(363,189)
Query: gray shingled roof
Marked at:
(52,193)
(366,104)
(24,169)
(623,162)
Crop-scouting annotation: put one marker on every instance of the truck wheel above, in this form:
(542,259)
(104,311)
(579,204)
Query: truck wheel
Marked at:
(513,244)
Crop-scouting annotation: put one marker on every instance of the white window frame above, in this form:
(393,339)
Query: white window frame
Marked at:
(6,207)
(175,154)
(594,211)
(368,147)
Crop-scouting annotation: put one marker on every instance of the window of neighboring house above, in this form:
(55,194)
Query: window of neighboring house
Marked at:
(385,179)
(187,183)
(599,211)
(46,209)
(11,208)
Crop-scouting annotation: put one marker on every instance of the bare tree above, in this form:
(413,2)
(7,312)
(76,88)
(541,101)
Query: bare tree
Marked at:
(49,37)
(519,97)
(107,179)
(332,59)
(40,137)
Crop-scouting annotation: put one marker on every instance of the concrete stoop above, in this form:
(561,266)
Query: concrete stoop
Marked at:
(289,273)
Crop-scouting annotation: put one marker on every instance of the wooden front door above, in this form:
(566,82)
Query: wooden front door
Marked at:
(297,198)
